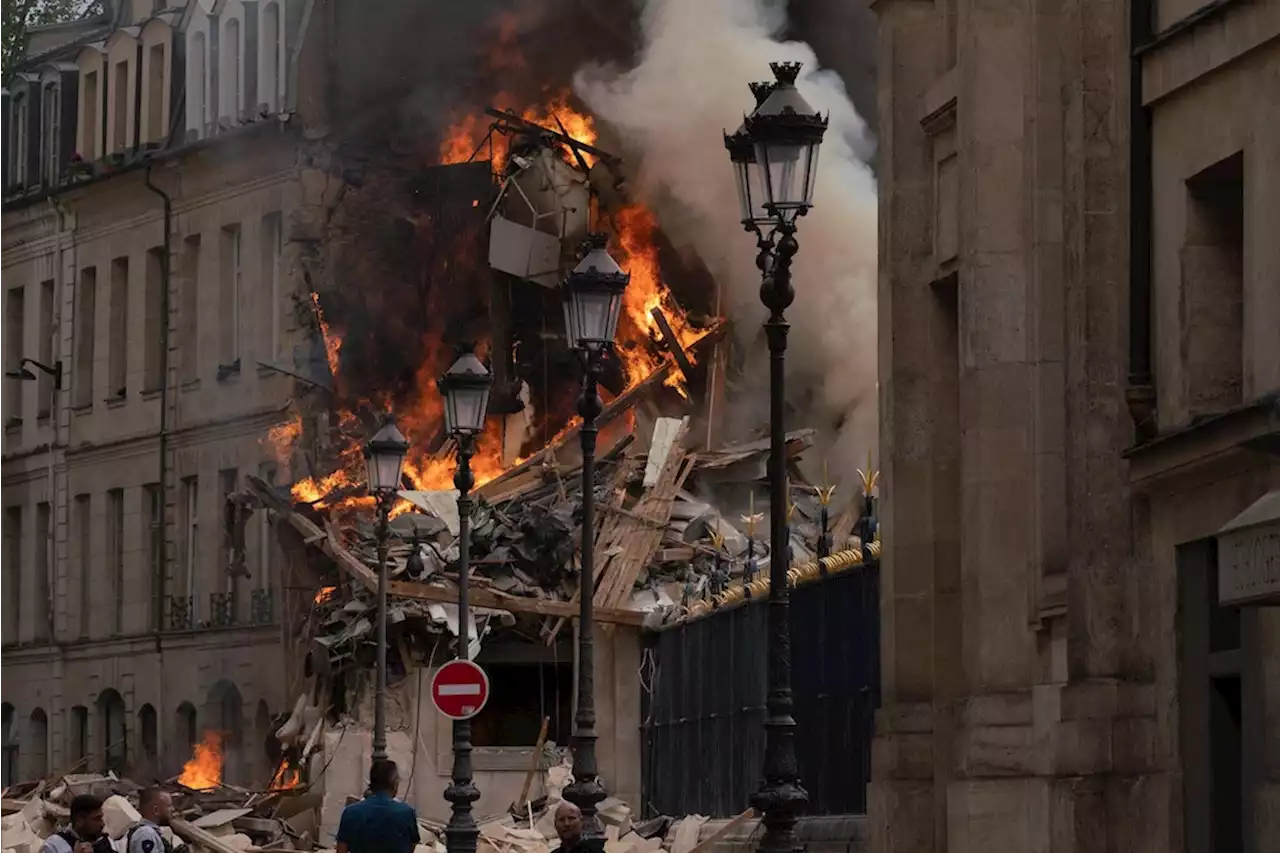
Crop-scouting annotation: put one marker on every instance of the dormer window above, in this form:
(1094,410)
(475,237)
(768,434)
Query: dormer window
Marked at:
(18,138)
(230,76)
(197,85)
(271,59)
(52,137)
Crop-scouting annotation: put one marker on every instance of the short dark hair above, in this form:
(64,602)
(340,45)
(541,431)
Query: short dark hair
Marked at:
(149,795)
(382,774)
(85,804)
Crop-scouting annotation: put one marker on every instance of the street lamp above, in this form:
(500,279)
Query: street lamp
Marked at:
(465,388)
(775,157)
(592,296)
(384,458)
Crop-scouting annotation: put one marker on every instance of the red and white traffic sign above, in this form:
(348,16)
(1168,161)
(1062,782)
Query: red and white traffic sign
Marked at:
(459,689)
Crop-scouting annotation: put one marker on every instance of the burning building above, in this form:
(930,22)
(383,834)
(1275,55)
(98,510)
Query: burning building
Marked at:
(310,238)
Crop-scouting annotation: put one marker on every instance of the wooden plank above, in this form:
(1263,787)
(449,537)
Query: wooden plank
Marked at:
(643,540)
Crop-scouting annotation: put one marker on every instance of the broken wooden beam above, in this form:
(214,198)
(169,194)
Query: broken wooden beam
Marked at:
(673,344)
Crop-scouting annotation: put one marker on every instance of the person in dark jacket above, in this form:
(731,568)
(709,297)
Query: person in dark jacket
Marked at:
(379,823)
(85,834)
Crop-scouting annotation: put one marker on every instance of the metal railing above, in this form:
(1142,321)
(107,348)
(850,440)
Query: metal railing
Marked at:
(704,701)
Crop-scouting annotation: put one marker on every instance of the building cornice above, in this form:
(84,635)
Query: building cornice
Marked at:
(1250,428)
(237,426)
(201,639)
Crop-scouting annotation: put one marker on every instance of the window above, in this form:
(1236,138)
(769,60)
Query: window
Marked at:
(12,574)
(267,544)
(148,735)
(197,87)
(114,749)
(230,289)
(273,249)
(10,626)
(230,78)
(118,344)
(269,45)
(191,538)
(185,728)
(152,535)
(84,556)
(42,607)
(1213,289)
(523,691)
(153,320)
(38,745)
(15,307)
(115,557)
(8,721)
(18,144)
(227,479)
(155,94)
(89,128)
(120,108)
(44,348)
(85,311)
(78,736)
(191,308)
(52,114)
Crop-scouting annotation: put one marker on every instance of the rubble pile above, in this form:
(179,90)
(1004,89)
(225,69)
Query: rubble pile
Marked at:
(666,547)
(220,819)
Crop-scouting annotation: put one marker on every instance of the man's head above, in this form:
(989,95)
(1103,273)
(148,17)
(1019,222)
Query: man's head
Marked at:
(86,816)
(384,777)
(155,805)
(568,823)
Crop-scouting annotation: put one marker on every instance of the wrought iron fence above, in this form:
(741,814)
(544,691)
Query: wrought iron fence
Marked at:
(704,707)
(261,607)
(222,609)
(181,617)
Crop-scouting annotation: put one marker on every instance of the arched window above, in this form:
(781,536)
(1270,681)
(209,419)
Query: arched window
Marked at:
(271,49)
(148,735)
(37,745)
(9,765)
(78,735)
(197,87)
(18,139)
(115,748)
(230,78)
(223,712)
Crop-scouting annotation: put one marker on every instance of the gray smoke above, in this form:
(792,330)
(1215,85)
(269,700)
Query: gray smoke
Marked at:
(688,85)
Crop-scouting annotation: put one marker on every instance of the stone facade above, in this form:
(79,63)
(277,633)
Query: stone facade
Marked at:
(1077,392)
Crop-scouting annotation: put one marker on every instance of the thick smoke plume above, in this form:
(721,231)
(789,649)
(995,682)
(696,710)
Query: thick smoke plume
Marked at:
(687,85)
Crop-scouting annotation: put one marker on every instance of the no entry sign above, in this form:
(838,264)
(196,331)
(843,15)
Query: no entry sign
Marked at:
(459,689)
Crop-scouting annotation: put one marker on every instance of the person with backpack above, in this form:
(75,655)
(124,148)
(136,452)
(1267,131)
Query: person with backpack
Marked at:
(156,807)
(85,834)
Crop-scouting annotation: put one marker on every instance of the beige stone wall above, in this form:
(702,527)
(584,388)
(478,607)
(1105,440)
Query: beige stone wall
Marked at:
(94,441)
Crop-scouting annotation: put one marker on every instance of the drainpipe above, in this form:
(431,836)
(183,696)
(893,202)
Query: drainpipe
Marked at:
(1141,391)
(158,582)
(55,413)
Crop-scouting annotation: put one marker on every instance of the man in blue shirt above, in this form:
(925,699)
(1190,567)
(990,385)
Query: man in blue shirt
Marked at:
(379,823)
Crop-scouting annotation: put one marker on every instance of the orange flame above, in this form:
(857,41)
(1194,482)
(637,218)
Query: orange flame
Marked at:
(635,227)
(285,777)
(637,254)
(332,342)
(325,593)
(465,139)
(204,770)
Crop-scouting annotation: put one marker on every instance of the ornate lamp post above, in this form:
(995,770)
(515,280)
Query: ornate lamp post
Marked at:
(466,399)
(384,457)
(592,302)
(775,155)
